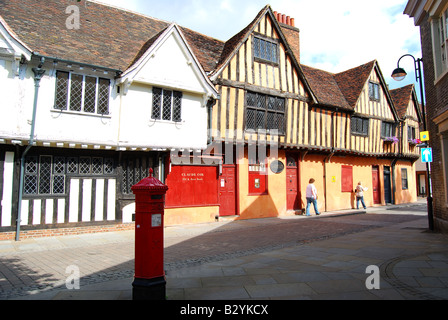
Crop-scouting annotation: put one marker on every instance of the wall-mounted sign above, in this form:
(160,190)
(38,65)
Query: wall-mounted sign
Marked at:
(424,136)
(277,167)
(427,155)
(192,186)
(156,220)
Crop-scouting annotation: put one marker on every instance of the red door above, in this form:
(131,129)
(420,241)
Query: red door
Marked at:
(292,194)
(376,185)
(227,191)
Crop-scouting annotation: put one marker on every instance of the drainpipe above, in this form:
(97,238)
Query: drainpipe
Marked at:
(38,74)
(210,104)
(327,160)
(394,184)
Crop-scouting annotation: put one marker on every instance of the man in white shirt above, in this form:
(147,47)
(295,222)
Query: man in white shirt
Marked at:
(311,197)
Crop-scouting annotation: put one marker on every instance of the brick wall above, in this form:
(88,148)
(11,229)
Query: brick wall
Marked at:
(34,234)
(436,103)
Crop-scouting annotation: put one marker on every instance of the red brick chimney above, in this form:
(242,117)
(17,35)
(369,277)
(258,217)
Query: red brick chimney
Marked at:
(283,18)
(290,31)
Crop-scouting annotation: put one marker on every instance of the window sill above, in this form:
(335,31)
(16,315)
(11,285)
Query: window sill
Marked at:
(441,77)
(257,194)
(179,123)
(263,131)
(362,135)
(94,115)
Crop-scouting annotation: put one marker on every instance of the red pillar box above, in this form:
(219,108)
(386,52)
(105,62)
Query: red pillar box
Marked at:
(149,281)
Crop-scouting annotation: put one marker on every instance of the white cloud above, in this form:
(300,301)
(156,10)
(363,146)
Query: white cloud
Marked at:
(335,35)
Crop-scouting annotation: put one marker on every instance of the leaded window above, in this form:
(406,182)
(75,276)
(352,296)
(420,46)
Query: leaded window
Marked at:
(31,173)
(47,175)
(387,129)
(265,113)
(59,175)
(81,93)
(374,91)
(166,105)
(134,170)
(265,50)
(411,133)
(360,126)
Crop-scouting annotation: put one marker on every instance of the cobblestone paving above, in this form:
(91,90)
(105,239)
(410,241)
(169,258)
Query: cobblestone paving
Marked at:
(35,269)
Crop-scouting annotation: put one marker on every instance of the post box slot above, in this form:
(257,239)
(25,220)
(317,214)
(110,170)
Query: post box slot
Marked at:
(157,197)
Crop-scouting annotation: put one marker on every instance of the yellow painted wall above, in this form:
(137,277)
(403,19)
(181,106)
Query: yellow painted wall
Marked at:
(183,216)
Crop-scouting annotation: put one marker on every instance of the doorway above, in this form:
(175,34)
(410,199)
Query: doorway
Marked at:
(292,182)
(227,191)
(376,185)
(387,186)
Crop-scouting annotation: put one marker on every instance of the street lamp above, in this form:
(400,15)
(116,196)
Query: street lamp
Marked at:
(400,74)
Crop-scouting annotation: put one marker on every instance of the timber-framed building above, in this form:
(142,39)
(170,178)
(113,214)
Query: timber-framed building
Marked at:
(234,128)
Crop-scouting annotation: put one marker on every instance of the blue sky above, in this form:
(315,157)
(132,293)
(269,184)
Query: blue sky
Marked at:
(335,35)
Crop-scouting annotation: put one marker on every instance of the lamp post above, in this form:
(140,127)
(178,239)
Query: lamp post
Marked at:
(400,74)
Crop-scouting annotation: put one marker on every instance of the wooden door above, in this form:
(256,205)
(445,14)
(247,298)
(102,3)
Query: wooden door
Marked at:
(387,186)
(227,191)
(376,185)
(292,190)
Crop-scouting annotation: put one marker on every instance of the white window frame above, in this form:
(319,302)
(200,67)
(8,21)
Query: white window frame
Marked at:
(175,107)
(69,89)
(440,45)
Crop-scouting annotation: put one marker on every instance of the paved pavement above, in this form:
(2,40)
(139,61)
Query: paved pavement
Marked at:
(293,258)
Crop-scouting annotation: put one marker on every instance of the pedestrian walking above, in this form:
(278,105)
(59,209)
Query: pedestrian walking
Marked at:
(311,198)
(360,195)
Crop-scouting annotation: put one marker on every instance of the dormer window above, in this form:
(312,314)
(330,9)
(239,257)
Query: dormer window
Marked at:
(266,51)
(82,93)
(166,105)
(374,91)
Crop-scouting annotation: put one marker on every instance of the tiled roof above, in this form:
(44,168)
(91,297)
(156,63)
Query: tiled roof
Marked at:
(402,97)
(325,87)
(351,82)
(108,37)
(231,45)
(116,38)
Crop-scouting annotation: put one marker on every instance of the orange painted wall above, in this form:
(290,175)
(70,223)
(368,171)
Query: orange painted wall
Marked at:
(313,168)
(328,184)
(406,195)
(330,196)
(262,206)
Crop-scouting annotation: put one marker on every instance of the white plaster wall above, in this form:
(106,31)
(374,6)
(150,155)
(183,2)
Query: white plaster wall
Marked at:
(170,66)
(16,103)
(138,129)
(129,123)
(73,127)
